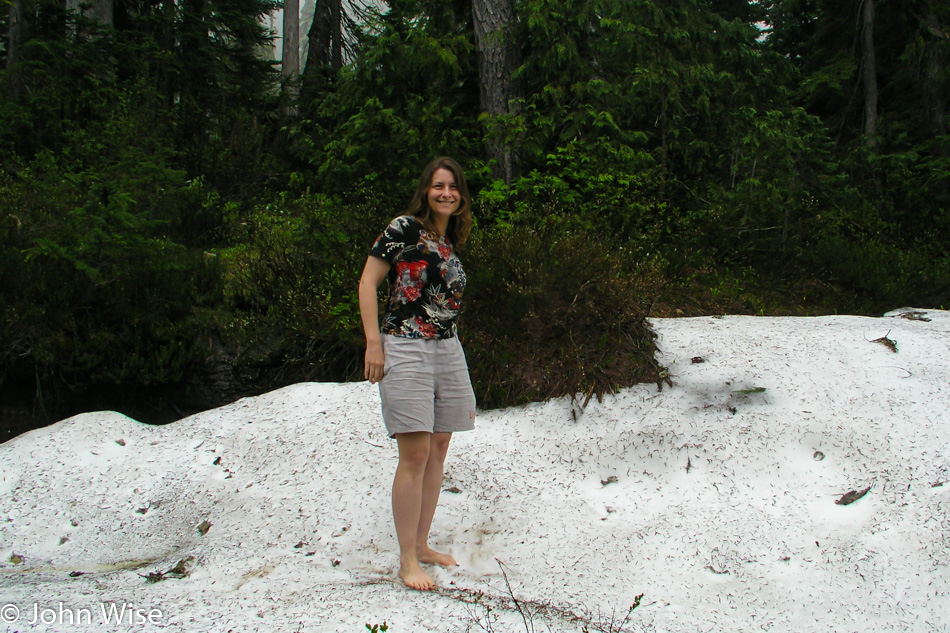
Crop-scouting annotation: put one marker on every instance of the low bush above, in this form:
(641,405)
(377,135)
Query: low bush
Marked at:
(552,313)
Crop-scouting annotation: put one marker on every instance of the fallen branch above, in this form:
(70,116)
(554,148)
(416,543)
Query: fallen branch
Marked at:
(890,344)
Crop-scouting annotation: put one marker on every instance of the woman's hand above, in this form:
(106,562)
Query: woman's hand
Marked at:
(374,362)
(373,274)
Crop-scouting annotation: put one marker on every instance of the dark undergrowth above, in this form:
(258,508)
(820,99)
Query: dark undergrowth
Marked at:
(548,313)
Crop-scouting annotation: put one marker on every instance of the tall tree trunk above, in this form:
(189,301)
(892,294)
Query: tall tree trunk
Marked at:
(324,37)
(935,80)
(324,46)
(498,59)
(102,11)
(306,20)
(290,55)
(290,48)
(15,31)
(336,36)
(18,29)
(869,72)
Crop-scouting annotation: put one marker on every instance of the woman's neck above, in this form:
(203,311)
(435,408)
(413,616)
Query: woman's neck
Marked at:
(441,224)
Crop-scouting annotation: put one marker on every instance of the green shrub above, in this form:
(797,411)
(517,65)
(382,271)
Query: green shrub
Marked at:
(553,313)
(98,296)
(291,281)
(884,274)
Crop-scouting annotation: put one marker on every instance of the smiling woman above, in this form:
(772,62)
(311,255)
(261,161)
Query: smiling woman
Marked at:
(416,357)
(443,196)
(441,183)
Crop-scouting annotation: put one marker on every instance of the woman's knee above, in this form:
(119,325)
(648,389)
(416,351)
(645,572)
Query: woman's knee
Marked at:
(439,445)
(414,450)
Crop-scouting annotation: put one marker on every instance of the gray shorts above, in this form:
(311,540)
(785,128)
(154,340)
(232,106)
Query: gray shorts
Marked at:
(425,386)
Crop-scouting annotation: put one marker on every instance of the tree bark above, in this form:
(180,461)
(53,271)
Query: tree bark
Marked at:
(290,56)
(306,21)
(869,73)
(325,36)
(324,46)
(336,36)
(290,47)
(15,32)
(498,59)
(935,79)
(19,26)
(102,11)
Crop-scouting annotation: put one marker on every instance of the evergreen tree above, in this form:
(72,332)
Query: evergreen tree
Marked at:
(409,94)
(499,59)
(107,141)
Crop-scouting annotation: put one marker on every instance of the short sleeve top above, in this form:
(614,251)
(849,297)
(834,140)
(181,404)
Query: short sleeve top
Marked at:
(426,281)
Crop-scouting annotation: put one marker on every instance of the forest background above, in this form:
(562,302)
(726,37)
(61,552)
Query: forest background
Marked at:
(183,220)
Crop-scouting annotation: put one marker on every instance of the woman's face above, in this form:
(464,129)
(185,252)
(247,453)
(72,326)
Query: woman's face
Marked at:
(443,195)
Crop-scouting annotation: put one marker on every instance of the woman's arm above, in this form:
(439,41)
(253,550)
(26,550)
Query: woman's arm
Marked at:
(374,272)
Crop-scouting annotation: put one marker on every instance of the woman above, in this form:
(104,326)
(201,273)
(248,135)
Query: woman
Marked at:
(416,357)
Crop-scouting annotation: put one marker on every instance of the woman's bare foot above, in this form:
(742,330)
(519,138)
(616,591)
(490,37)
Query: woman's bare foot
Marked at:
(414,578)
(430,556)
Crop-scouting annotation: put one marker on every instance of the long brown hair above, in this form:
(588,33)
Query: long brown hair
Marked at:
(460,224)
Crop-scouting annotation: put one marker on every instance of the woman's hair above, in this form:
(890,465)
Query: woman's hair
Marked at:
(460,224)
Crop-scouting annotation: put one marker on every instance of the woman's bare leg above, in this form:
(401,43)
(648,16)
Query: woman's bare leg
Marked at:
(431,488)
(408,484)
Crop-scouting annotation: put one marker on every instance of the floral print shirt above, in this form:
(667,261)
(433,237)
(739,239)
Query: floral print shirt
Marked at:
(426,281)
